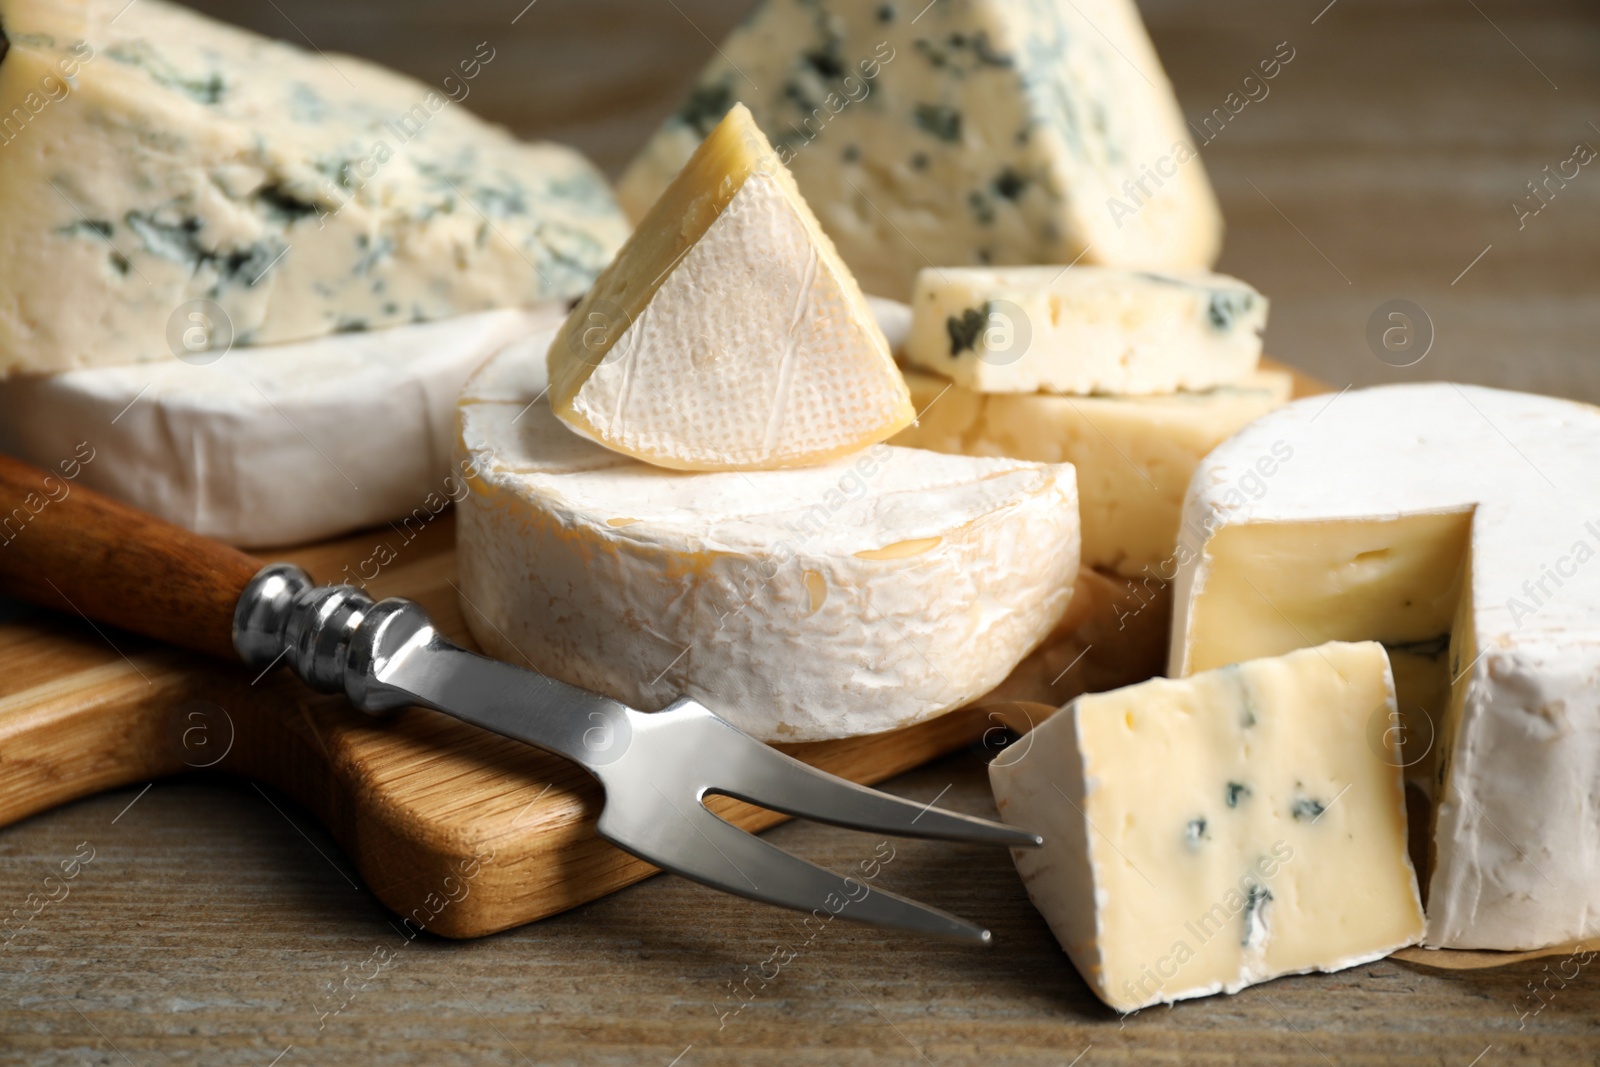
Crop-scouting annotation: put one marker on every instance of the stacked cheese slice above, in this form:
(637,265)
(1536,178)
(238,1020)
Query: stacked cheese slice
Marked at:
(1131,376)
(704,506)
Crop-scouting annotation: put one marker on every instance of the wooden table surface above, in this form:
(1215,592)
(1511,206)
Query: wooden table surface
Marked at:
(215,919)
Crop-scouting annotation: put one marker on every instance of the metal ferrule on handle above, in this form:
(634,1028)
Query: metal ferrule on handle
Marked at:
(335,638)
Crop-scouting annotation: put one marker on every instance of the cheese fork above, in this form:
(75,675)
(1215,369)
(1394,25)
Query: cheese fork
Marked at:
(82,552)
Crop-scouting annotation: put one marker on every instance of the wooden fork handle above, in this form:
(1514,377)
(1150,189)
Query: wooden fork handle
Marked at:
(67,547)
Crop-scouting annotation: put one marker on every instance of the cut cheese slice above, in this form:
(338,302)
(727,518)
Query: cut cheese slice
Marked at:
(961,133)
(728,335)
(1134,455)
(1446,521)
(1084,330)
(1205,834)
(160,166)
(799,604)
(275,445)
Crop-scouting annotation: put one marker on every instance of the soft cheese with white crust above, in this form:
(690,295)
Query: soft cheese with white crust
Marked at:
(965,133)
(277,444)
(1085,330)
(803,604)
(158,163)
(1208,833)
(728,335)
(1451,519)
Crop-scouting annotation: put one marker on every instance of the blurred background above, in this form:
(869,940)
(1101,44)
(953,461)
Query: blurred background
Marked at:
(1384,164)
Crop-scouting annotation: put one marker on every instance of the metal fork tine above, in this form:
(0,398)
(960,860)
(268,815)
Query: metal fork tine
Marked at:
(699,846)
(769,779)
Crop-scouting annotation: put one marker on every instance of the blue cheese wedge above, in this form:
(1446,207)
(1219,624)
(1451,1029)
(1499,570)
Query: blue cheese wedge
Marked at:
(1206,834)
(159,165)
(1085,330)
(966,132)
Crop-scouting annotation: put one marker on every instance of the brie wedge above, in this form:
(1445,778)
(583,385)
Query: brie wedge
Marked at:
(276,445)
(803,604)
(728,335)
(1450,523)
(1205,834)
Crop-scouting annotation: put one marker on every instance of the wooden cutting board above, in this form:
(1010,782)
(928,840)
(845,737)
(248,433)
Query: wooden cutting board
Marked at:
(458,830)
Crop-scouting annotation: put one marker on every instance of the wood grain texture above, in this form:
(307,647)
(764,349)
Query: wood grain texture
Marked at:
(418,800)
(214,919)
(72,549)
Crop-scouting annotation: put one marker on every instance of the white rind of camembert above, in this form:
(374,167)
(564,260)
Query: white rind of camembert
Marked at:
(861,596)
(275,445)
(1460,526)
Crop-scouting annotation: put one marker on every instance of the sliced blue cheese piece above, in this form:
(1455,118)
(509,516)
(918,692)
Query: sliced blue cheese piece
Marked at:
(1205,834)
(967,132)
(1085,330)
(160,165)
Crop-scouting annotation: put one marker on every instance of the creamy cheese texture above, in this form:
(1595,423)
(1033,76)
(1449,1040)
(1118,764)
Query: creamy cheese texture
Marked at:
(964,132)
(1458,525)
(801,604)
(158,164)
(1205,834)
(727,334)
(1085,330)
(1134,455)
(276,445)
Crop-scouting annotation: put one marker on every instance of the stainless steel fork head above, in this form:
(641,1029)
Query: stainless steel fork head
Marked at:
(657,768)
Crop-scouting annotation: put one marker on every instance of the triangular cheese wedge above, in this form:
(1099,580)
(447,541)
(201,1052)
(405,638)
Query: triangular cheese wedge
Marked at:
(728,334)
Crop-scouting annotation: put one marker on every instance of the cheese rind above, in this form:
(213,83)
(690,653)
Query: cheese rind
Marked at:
(1085,330)
(798,604)
(967,133)
(1206,834)
(1134,455)
(1430,516)
(276,445)
(155,158)
(727,334)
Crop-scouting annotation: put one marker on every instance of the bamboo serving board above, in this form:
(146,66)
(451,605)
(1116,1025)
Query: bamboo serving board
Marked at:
(459,831)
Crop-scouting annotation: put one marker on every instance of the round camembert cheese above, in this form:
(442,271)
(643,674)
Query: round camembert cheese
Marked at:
(1457,525)
(830,601)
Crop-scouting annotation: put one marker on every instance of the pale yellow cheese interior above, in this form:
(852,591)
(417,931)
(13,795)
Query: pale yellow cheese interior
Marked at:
(1207,833)
(728,334)
(1273,587)
(1134,455)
